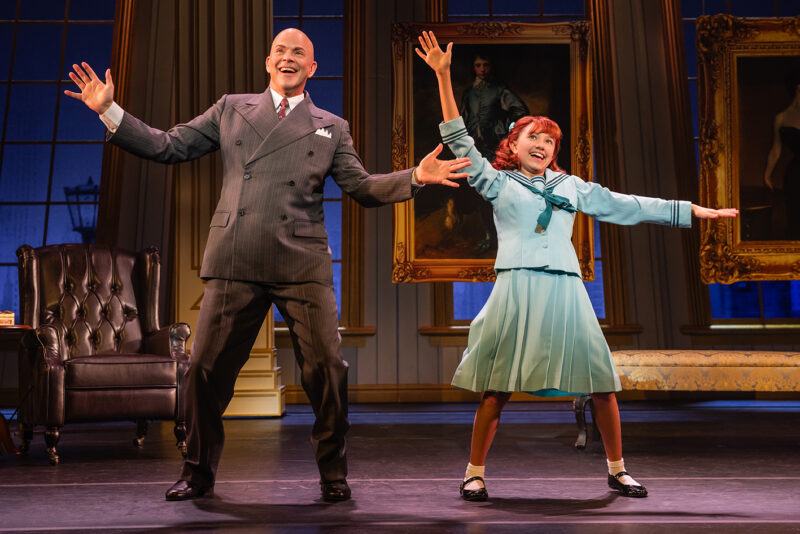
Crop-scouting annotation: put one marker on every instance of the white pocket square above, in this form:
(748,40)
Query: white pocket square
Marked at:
(323,132)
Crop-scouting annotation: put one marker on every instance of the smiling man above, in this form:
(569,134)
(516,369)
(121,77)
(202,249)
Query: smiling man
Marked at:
(267,243)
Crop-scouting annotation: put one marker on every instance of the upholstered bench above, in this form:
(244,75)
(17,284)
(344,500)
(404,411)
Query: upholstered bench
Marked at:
(698,370)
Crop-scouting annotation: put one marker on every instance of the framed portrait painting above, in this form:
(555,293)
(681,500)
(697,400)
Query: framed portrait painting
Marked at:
(749,149)
(501,72)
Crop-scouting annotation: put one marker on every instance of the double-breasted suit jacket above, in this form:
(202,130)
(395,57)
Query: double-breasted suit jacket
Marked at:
(268,225)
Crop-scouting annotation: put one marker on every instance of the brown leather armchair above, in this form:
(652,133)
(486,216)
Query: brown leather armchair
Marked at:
(97,351)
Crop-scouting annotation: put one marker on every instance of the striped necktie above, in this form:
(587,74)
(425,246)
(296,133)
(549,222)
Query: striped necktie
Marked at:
(283,109)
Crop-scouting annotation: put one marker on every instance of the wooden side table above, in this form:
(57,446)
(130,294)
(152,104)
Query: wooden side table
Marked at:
(9,350)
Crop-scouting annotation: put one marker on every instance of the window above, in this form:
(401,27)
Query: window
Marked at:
(51,145)
(465,299)
(757,302)
(323,22)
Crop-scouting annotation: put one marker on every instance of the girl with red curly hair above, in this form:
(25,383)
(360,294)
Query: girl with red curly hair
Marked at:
(537,332)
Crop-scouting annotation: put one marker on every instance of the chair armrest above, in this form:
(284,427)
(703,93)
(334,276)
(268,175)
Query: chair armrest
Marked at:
(169,340)
(42,378)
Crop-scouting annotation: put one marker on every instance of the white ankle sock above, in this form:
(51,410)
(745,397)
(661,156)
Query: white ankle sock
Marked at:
(474,471)
(616,467)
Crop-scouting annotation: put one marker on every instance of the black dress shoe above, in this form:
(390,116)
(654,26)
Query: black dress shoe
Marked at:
(626,490)
(335,490)
(184,490)
(473,495)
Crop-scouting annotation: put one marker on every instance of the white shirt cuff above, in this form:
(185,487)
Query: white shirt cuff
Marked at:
(414,178)
(112,118)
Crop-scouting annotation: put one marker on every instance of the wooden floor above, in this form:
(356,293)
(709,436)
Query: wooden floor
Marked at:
(717,467)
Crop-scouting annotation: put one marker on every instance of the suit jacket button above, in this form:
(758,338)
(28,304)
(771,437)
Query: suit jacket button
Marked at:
(310,152)
(241,212)
(238,142)
(247,176)
(291,183)
(284,217)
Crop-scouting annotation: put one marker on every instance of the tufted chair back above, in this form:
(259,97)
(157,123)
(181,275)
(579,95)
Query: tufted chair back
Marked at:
(92,295)
(97,350)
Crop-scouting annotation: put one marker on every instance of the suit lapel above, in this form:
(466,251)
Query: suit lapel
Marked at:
(259,113)
(301,121)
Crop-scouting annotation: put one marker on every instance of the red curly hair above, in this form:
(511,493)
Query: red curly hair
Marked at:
(505,159)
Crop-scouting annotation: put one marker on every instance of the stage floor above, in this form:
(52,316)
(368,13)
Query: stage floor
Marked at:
(720,467)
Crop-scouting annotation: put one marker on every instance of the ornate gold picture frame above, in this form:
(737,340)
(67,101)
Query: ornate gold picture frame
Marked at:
(446,234)
(744,67)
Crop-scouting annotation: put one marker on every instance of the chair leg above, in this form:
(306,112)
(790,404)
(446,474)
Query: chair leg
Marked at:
(579,405)
(180,436)
(141,433)
(51,437)
(6,443)
(27,437)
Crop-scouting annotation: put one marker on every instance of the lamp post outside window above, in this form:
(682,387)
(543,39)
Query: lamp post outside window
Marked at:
(82,204)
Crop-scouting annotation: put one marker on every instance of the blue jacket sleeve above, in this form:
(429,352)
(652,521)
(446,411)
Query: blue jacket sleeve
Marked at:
(486,180)
(605,205)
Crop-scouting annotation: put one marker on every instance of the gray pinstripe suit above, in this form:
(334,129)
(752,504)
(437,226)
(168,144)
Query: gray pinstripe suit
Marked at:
(267,244)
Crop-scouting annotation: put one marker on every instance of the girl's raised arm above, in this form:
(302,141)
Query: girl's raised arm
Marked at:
(439,61)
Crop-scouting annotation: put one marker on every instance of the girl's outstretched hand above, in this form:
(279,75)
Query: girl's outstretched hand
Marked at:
(707,213)
(433,55)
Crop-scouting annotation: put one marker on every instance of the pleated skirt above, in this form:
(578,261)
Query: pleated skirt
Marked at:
(537,333)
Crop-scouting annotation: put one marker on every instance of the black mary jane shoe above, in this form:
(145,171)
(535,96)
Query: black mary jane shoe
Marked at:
(473,495)
(183,490)
(626,490)
(335,490)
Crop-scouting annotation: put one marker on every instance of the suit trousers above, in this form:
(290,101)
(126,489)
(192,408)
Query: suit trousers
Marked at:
(231,315)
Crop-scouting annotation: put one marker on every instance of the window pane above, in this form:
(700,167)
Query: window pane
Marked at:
(322,7)
(469,298)
(278,25)
(563,7)
(6,37)
(75,165)
(691,8)
(38,51)
(781,299)
(3,93)
(76,228)
(327,37)
(326,94)
(337,287)
(91,10)
(76,122)
(42,10)
(693,103)
(689,34)
(333,224)
(748,8)
(285,8)
(468,7)
(25,173)
(714,7)
(82,45)
(789,8)
(9,291)
(22,225)
(734,301)
(595,290)
(31,112)
(8,9)
(332,189)
(515,7)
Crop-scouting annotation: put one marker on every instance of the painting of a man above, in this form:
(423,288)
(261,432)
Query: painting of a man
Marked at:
(489,106)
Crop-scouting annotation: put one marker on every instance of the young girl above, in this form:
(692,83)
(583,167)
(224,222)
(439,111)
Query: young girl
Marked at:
(537,331)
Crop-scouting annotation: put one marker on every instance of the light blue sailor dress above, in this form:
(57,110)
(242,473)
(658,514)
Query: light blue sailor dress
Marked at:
(537,332)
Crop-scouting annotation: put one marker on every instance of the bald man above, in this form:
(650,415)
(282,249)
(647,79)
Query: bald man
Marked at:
(267,243)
